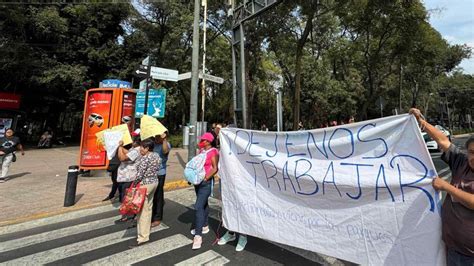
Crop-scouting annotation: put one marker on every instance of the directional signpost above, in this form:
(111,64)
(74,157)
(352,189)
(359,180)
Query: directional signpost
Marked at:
(148,72)
(211,78)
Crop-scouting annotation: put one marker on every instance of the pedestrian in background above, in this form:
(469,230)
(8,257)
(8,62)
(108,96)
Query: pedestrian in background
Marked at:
(8,145)
(162,148)
(147,175)
(216,128)
(204,189)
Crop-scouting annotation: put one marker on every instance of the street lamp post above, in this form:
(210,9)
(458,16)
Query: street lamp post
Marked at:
(277,87)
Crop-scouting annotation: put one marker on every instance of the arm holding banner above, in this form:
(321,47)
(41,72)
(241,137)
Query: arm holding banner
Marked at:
(122,152)
(166,149)
(465,198)
(434,133)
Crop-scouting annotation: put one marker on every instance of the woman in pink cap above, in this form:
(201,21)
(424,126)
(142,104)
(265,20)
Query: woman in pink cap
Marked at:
(203,190)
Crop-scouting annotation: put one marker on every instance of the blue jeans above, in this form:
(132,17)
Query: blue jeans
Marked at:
(455,258)
(203,191)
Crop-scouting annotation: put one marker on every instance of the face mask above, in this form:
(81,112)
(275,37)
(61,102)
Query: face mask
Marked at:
(202,145)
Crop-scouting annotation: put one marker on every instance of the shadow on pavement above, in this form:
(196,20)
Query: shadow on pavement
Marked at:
(79,197)
(180,159)
(18,175)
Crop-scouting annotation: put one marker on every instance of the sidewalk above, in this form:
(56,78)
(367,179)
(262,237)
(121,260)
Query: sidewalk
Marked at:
(37,182)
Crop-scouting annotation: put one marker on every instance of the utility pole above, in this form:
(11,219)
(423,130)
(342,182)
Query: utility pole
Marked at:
(194,83)
(203,96)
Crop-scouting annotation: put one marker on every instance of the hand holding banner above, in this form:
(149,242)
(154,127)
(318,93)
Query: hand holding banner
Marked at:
(150,127)
(126,138)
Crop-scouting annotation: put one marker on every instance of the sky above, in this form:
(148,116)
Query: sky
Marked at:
(454,19)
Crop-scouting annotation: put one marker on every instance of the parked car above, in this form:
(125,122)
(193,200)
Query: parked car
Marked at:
(431,143)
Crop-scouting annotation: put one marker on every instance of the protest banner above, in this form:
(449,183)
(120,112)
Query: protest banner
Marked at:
(359,192)
(126,137)
(150,127)
(111,142)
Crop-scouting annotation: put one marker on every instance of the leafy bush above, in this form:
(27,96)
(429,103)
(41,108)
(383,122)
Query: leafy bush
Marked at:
(176,141)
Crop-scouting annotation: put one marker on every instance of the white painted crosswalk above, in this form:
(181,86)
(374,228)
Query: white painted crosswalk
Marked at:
(80,247)
(208,258)
(152,249)
(92,237)
(55,234)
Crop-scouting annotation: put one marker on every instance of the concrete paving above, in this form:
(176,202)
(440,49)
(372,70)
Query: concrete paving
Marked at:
(37,182)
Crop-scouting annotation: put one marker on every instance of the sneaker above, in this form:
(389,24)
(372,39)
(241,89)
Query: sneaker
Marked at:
(241,243)
(227,237)
(197,242)
(205,230)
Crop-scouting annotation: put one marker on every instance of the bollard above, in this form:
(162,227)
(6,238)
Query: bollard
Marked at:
(70,196)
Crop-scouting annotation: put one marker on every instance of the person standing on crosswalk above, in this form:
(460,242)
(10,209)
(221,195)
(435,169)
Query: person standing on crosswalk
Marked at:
(204,189)
(147,174)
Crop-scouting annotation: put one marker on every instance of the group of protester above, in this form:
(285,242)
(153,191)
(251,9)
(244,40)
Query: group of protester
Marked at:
(144,162)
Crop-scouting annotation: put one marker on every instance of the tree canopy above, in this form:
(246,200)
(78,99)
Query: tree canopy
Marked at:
(338,59)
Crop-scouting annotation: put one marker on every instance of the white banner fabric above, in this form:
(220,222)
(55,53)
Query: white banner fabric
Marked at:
(358,192)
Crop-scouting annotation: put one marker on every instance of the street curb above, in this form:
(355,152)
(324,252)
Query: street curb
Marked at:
(173,185)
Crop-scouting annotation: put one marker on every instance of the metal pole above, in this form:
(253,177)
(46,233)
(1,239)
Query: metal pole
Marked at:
(234,83)
(194,83)
(279,112)
(242,70)
(203,96)
(71,185)
(147,89)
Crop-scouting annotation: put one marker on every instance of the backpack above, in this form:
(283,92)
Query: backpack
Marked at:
(194,171)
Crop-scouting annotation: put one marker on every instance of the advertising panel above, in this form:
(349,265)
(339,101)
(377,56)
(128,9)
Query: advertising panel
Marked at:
(97,118)
(156,103)
(128,109)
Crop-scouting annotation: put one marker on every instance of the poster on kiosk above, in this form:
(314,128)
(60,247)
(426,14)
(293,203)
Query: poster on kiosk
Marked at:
(103,109)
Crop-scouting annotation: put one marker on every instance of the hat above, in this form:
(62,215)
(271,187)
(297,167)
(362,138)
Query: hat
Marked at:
(136,132)
(207,136)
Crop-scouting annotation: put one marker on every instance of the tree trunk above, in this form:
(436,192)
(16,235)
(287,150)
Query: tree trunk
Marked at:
(299,57)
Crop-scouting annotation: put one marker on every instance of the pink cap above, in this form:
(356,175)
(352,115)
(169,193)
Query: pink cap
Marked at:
(207,136)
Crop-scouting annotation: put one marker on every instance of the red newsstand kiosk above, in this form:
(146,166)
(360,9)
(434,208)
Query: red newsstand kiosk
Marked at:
(103,108)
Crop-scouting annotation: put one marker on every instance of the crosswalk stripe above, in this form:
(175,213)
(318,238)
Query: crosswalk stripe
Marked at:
(80,247)
(55,234)
(144,252)
(207,258)
(55,219)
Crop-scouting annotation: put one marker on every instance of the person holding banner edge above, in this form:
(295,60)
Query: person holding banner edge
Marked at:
(457,213)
